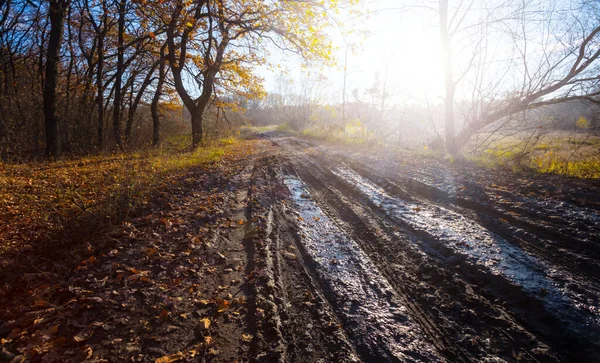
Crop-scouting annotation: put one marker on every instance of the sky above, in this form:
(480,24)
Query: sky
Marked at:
(402,46)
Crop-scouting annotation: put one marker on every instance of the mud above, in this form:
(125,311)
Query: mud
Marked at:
(300,252)
(426,265)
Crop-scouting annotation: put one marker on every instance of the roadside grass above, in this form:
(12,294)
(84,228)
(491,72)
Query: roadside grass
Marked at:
(574,154)
(569,154)
(41,201)
(247,132)
(351,134)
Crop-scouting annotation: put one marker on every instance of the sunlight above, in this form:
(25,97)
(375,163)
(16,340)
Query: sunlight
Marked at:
(409,52)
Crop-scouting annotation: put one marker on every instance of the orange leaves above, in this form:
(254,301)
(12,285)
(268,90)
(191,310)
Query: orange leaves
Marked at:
(222,305)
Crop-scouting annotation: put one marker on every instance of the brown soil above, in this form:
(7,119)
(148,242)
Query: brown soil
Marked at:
(298,252)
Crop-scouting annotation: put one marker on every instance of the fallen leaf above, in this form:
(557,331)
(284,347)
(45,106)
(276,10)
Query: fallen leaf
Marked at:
(247,337)
(88,352)
(205,323)
(222,305)
(169,358)
(83,335)
(289,255)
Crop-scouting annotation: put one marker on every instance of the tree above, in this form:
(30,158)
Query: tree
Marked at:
(121,6)
(217,43)
(541,72)
(449,84)
(549,55)
(56,13)
(157,95)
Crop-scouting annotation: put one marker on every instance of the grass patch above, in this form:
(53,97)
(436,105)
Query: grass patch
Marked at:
(570,156)
(353,135)
(40,200)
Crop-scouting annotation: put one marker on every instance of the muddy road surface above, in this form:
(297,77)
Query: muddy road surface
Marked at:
(377,258)
(292,251)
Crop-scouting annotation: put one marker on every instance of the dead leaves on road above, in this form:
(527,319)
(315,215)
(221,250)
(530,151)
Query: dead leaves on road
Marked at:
(159,280)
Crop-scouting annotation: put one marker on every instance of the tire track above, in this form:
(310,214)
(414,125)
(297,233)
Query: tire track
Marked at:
(520,304)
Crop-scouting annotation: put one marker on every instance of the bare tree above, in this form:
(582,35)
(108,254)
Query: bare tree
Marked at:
(57,10)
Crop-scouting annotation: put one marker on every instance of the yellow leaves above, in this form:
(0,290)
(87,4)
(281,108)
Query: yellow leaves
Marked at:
(170,358)
(247,338)
(203,302)
(205,323)
(88,352)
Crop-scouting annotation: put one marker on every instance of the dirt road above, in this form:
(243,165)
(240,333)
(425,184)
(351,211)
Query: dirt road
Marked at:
(429,262)
(291,251)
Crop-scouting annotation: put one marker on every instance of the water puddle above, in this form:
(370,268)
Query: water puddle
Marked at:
(373,318)
(482,247)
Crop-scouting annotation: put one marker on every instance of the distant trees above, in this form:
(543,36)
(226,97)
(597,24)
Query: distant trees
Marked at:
(82,61)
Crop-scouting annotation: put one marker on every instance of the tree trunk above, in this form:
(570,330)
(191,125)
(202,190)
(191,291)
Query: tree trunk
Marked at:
(100,86)
(197,115)
(57,14)
(156,99)
(119,75)
(133,108)
(451,146)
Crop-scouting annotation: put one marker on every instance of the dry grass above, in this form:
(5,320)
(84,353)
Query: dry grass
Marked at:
(563,153)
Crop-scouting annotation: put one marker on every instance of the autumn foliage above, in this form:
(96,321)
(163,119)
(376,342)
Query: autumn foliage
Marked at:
(116,60)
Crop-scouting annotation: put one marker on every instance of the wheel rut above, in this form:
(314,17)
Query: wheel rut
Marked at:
(453,296)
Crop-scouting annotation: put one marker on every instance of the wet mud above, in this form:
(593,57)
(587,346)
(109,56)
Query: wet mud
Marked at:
(406,264)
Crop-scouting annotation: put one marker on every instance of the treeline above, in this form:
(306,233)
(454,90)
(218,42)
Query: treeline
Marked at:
(74,74)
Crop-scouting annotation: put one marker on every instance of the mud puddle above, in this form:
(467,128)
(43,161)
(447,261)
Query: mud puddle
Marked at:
(484,248)
(373,317)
